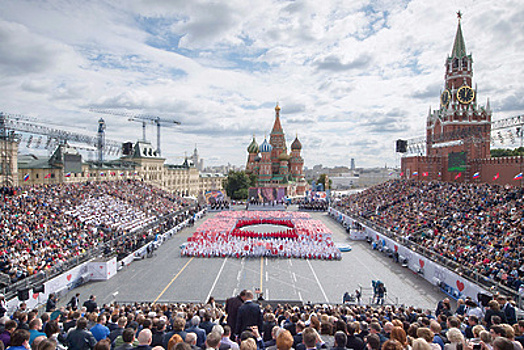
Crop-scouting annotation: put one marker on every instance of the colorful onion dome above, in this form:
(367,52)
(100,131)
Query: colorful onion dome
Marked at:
(296,144)
(265,147)
(253,146)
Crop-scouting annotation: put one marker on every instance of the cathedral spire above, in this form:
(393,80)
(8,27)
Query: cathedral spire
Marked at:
(277,127)
(459,46)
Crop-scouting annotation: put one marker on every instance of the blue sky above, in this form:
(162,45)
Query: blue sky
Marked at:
(351,76)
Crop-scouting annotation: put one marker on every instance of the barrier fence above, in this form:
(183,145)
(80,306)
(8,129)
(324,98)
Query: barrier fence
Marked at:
(488,284)
(30,282)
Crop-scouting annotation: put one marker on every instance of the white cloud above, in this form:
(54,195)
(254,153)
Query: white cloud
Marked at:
(350,76)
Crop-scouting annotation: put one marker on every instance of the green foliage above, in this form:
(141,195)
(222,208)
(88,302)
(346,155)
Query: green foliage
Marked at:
(237,184)
(322,180)
(505,152)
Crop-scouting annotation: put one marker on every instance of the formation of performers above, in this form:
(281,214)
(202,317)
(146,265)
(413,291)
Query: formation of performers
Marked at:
(239,247)
(313,206)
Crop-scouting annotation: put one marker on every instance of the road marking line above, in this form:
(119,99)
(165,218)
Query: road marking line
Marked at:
(267,276)
(216,280)
(294,277)
(261,272)
(318,281)
(173,280)
(300,297)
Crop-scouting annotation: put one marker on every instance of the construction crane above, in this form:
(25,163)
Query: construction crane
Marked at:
(33,126)
(144,119)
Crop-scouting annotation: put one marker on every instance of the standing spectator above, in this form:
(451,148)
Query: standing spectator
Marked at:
(398,334)
(521,337)
(178,328)
(74,302)
(159,332)
(121,324)
(34,329)
(100,330)
(103,344)
(508,310)
(90,304)
(50,305)
(80,338)
(494,310)
(3,305)
(52,332)
(212,341)
(72,318)
(200,333)
(226,340)
(232,306)
(5,336)
(144,340)
(354,342)
(340,341)
(249,314)
(456,339)
(20,340)
(502,343)
(373,342)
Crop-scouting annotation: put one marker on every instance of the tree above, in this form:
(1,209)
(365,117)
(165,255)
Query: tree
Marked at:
(504,152)
(237,184)
(322,180)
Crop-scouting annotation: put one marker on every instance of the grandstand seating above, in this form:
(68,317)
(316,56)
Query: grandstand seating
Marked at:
(45,226)
(478,226)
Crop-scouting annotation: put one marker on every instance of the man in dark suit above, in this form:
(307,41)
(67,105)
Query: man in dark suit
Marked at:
(521,327)
(80,338)
(74,302)
(297,338)
(91,304)
(249,314)
(508,309)
(354,342)
(340,341)
(51,303)
(232,306)
(201,334)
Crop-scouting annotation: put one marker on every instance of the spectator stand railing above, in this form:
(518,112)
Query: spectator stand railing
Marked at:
(40,278)
(468,274)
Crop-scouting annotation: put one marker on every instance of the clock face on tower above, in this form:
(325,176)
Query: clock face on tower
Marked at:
(465,95)
(444,98)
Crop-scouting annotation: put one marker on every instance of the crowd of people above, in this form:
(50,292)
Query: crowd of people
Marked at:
(220,237)
(44,226)
(242,323)
(478,226)
(313,205)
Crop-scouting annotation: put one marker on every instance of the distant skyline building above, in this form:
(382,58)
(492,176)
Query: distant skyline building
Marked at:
(352,167)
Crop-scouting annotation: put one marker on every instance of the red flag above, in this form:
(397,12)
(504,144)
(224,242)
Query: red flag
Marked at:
(401,174)
(496,176)
(47,176)
(458,175)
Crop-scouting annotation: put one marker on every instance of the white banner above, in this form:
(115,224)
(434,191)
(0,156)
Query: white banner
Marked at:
(428,269)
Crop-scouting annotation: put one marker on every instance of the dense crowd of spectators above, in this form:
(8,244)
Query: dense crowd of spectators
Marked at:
(242,324)
(479,226)
(44,226)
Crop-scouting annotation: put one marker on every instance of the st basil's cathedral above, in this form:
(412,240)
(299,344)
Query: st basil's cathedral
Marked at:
(273,165)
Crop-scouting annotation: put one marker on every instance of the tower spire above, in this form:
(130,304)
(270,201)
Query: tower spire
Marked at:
(277,126)
(459,46)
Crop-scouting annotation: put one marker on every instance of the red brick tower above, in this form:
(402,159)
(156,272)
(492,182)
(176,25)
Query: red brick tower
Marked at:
(460,126)
(277,140)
